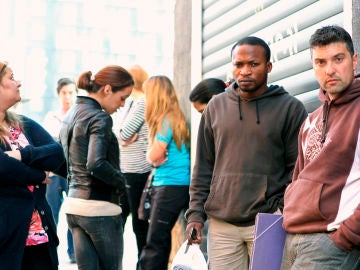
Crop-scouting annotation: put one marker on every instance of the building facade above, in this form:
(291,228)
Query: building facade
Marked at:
(44,40)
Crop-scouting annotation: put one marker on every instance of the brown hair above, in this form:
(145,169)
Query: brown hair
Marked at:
(117,77)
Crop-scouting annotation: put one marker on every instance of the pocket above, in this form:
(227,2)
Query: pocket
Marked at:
(237,197)
(302,200)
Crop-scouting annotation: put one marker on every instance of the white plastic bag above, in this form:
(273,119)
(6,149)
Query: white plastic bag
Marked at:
(193,259)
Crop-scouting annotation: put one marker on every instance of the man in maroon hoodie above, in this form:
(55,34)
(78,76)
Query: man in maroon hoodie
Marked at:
(322,204)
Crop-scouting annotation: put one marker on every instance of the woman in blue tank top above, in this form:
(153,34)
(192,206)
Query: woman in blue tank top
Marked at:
(168,151)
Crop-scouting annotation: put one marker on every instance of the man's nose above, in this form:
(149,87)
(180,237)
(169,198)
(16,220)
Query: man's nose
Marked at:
(245,70)
(330,68)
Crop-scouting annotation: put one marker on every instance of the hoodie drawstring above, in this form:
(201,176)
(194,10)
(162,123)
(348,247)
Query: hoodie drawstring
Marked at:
(239,104)
(326,110)
(257,111)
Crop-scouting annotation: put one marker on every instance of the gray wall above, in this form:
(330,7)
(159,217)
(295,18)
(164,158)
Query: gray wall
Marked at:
(356,27)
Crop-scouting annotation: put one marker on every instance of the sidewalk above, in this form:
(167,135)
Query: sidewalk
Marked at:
(130,249)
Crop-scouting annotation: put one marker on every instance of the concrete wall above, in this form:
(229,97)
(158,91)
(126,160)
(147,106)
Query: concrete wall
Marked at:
(188,59)
(356,27)
(182,53)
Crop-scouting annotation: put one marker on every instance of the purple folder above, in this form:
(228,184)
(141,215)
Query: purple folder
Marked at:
(269,242)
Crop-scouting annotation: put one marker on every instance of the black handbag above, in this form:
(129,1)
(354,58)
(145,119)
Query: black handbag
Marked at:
(145,200)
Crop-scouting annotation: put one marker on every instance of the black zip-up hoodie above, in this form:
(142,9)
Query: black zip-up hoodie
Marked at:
(246,151)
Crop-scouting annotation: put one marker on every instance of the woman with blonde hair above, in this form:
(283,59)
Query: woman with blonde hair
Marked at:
(168,151)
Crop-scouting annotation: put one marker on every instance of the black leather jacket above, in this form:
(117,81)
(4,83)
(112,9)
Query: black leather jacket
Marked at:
(92,152)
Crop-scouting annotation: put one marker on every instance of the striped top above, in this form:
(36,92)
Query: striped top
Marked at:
(128,121)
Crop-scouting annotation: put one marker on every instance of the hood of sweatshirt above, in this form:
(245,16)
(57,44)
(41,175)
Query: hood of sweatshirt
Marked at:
(351,93)
(233,92)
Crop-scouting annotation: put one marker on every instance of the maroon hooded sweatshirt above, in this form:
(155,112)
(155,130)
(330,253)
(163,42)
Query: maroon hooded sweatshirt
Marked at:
(324,195)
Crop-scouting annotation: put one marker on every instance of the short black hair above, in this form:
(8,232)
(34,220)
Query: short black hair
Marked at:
(330,34)
(62,82)
(251,40)
(205,89)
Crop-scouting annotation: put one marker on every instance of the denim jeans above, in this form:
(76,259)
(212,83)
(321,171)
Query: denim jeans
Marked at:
(135,183)
(98,241)
(55,197)
(316,251)
(166,205)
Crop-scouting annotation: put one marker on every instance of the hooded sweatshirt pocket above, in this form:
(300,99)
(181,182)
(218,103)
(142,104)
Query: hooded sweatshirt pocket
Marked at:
(237,198)
(302,205)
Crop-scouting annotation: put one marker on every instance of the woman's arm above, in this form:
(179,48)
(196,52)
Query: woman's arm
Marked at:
(15,172)
(157,153)
(44,152)
(100,137)
(133,122)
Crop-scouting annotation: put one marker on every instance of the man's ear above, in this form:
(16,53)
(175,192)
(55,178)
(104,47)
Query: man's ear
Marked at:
(355,61)
(269,67)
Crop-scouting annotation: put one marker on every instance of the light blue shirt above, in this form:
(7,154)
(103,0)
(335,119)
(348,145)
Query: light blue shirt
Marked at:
(176,170)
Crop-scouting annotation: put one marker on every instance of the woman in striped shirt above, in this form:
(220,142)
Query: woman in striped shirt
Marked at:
(132,133)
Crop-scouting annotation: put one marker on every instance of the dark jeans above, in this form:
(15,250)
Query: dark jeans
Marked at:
(37,258)
(98,241)
(135,183)
(55,197)
(167,203)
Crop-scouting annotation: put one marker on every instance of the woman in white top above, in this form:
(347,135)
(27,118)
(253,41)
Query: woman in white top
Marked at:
(66,91)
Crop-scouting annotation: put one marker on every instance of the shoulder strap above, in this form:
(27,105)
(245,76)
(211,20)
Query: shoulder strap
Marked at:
(128,109)
(150,178)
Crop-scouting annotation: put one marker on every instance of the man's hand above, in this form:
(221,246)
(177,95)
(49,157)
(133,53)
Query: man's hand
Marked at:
(193,232)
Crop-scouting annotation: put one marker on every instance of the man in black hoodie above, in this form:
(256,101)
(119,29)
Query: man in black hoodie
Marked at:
(246,151)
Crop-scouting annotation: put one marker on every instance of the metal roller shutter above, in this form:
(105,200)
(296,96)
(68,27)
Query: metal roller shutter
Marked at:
(285,25)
